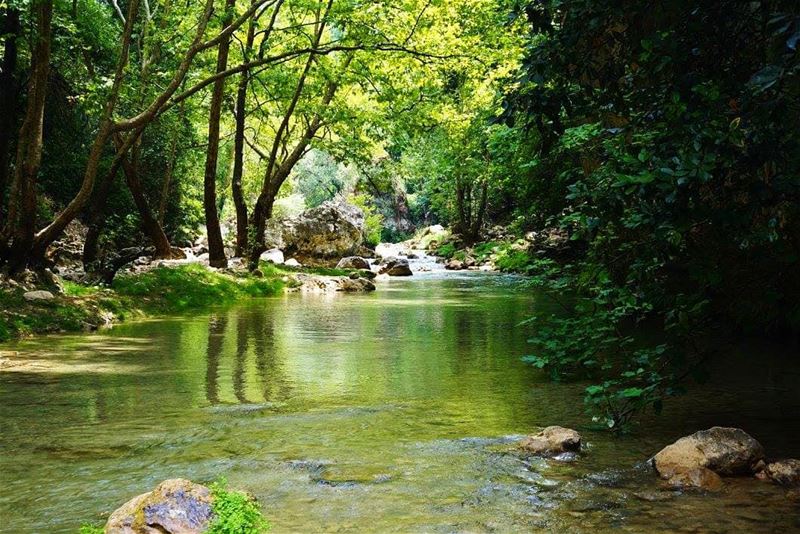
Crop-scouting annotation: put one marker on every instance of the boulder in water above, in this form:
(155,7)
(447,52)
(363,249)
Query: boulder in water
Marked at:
(700,459)
(175,506)
(552,441)
(350,285)
(395,267)
(353,262)
(726,451)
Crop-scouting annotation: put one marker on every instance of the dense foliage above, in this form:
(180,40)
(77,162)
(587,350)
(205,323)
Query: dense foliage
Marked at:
(664,138)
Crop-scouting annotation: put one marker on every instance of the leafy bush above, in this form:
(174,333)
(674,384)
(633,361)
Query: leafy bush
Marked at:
(235,512)
(448,250)
(373,220)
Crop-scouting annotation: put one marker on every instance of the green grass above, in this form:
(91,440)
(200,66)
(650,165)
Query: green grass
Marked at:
(176,289)
(91,529)
(20,318)
(163,290)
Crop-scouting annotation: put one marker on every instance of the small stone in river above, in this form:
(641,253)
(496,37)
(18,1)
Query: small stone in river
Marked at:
(566,457)
(784,472)
(552,441)
(654,496)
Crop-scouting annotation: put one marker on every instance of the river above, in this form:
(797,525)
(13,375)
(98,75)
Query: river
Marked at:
(394,411)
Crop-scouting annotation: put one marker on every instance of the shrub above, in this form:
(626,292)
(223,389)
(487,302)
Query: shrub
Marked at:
(236,512)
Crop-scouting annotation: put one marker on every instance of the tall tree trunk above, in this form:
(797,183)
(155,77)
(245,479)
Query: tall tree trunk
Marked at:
(150,225)
(22,209)
(8,96)
(216,248)
(238,147)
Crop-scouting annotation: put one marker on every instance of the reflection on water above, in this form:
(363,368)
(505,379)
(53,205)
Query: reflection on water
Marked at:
(393,411)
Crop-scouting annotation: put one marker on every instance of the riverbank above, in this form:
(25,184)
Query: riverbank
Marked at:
(164,290)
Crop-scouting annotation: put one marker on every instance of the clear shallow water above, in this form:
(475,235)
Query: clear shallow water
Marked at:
(387,412)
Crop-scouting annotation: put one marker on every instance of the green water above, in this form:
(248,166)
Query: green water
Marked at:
(387,412)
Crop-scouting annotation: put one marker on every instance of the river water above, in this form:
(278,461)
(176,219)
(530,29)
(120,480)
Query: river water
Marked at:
(394,411)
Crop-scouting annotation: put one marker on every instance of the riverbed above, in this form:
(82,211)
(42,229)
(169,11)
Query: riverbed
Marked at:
(394,411)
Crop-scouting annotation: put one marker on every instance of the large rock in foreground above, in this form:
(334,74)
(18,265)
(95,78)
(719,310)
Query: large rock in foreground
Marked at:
(331,230)
(718,450)
(552,441)
(175,506)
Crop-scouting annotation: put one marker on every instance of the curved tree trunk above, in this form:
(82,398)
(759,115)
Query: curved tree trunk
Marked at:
(216,248)
(149,222)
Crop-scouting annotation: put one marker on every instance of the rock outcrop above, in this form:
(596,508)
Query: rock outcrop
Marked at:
(552,441)
(395,267)
(353,262)
(722,451)
(331,230)
(175,506)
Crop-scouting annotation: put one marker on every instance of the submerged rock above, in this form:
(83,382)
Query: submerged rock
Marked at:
(552,441)
(353,262)
(695,477)
(175,506)
(784,472)
(395,267)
